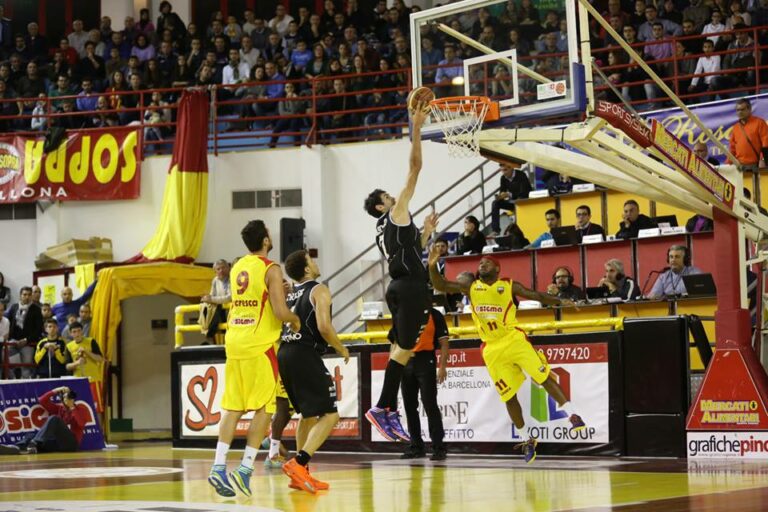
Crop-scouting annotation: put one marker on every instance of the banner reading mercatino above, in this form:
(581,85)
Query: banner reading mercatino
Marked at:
(87,166)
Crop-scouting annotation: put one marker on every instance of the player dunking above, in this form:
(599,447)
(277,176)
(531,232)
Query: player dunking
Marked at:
(307,381)
(407,296)
(255,322)
(507,351)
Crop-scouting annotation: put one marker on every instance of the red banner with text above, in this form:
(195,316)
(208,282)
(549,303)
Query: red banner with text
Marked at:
(86,166)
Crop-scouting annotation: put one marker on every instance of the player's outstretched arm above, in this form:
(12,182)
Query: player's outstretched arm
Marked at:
(430,226)
(400,212)
(544,298)
(439,283)
(321,296)
(277,298)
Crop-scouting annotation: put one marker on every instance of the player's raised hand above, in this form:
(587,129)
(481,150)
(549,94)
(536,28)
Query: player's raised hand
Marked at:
(420,113)
(434,255)
(430,222)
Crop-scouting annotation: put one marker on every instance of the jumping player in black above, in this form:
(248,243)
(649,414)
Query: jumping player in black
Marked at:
(307,381)
(408,296)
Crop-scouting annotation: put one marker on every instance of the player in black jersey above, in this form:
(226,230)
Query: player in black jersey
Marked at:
(307,381)
(408,295)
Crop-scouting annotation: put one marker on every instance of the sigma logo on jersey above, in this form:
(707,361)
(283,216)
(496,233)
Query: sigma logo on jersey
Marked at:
(488,308)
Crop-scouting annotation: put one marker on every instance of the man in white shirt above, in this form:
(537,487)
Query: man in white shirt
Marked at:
(221,293)
(708,63)
(235,72)
(248,54)
(281,20)
(715,27)
(78,37)
(250,20)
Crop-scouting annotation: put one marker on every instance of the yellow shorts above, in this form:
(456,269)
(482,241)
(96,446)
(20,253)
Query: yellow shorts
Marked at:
(508,358)
(250,384)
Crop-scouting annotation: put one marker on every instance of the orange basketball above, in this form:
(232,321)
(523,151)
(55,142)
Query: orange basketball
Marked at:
(420,94)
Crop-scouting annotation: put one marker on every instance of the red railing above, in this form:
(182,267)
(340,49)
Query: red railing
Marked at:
(240,121)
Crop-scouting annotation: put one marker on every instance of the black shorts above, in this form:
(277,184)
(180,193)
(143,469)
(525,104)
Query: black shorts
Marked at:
(409,301)
(307,381)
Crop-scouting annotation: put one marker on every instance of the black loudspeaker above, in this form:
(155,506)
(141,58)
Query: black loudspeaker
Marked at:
(291,236)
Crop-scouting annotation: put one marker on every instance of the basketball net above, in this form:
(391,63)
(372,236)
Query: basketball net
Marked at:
(461,119)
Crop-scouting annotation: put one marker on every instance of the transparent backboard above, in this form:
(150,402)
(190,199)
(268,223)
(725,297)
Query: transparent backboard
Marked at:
(520,53)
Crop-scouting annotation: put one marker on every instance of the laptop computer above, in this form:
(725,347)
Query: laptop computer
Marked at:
(597,292)
(700,285)
(565,235)
(665,221)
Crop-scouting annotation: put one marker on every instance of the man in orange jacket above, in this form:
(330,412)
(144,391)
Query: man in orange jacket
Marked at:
(749,137)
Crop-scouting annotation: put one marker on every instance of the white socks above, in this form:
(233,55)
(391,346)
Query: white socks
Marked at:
(274,448)
(249,456)
(221,454)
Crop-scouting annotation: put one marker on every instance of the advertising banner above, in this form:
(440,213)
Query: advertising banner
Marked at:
(202,387)
(87,166)
(21,413)
(738,445)
(472,411)
(719,116)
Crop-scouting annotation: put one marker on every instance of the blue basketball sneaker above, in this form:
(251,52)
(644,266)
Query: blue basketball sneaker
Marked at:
(396,427)
(529,449)
(241,477)
(218,479)
(378,418)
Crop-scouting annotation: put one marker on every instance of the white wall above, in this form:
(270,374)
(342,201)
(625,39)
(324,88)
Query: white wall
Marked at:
(17,253)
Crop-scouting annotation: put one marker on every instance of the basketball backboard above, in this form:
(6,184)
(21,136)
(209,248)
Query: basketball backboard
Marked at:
(523,55)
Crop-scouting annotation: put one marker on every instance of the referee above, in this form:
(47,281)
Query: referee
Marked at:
(421,376)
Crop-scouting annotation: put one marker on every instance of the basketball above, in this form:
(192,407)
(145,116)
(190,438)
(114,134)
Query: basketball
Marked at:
(423,94)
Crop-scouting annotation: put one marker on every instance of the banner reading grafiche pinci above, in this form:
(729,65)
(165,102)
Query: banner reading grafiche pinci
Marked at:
(87,166)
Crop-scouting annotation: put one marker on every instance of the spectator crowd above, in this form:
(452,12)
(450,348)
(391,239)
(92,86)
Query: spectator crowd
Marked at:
(277,72)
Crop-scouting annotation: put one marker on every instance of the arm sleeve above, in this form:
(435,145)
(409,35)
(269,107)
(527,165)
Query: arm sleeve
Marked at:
(61,353)
(657,290)
(47,402)
(85,296)
(441,328)
(95,348)
(40,352)
(762,133)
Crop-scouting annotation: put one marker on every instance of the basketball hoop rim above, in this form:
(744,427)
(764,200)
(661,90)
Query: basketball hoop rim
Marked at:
(481,106)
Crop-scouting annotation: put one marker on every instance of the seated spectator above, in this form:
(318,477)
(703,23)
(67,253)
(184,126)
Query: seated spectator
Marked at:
(693,45)
(659,47)
(152,77)
(471,240)
(62,88)
(616,283)
(142,49)
(449,68)
(339,104)
(741,57)
(645,31)
(58,66)
(670,282)
(85,319)
(516,238)
(220,294)
(78,37)
(5,292)
(738,15)
(701,150)
(63,430)
(86,98)
(699,223)
(26,327)
(685,65)
(233,31)
(292,106)
(117,84)
(513,185)
(552,217)
(706,64)
(145,24)
(584,224)
(249,54)
(182,74)
(84,354)
(116,63)
(99,119)
(280,22)
(559,184)
(51,353)
(697,13)
(36,42)
(562,285)
(39,120)
(94,36)
(633,221)
(716,26)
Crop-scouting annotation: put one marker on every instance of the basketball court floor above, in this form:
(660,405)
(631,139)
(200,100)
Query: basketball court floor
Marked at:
(151,477)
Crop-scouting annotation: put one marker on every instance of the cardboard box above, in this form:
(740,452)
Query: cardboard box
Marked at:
(75,252)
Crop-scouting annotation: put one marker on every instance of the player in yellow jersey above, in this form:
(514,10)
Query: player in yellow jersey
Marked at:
(250,375)
(507,352)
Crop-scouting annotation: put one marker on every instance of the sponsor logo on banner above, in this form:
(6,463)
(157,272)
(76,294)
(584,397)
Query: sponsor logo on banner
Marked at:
(21,412)
(472,411)
(620,118)
(551,90)
(93,165)
(688,162)
(728,398)
(743,445)
(202,387)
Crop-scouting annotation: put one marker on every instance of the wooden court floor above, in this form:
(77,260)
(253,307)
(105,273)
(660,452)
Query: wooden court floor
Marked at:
(152,477)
